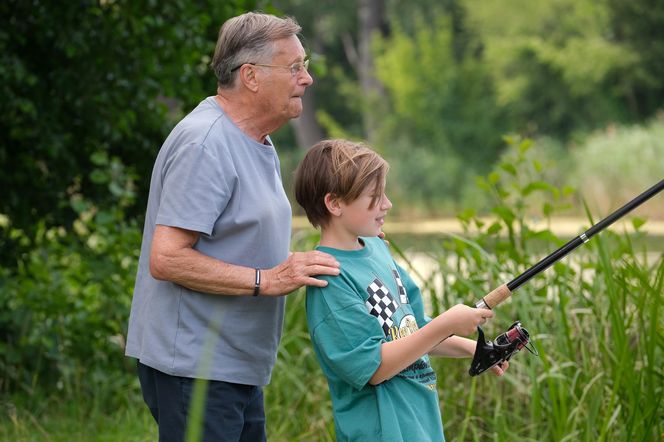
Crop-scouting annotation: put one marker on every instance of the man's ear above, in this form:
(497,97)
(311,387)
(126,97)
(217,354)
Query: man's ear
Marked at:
(333,204)
(248,77)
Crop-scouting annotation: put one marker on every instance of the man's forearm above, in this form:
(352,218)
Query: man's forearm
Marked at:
(196,271)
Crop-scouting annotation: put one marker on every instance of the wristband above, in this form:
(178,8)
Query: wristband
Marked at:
(257,283)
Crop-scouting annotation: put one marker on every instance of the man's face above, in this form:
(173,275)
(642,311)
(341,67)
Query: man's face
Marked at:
(283,91)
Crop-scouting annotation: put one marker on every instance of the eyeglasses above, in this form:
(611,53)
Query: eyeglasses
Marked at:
(295,68)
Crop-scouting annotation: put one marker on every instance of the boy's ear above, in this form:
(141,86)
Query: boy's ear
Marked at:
(333,204)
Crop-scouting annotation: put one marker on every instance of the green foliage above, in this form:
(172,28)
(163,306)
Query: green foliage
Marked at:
(77,419)
(443,121)
(639,26)
(559,68)
(329,29)
(297,401)
(84,79)
(594,318)
(91,88)
(64,312)
(439,100)
(618,163)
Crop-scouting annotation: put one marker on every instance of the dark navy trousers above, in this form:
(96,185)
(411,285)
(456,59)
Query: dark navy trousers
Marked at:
(233,412)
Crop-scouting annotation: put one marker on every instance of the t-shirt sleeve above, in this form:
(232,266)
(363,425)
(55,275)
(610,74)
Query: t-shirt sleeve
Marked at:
(347,336)
(197,186)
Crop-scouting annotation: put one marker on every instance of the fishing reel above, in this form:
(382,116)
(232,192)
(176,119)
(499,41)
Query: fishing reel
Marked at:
(490,353)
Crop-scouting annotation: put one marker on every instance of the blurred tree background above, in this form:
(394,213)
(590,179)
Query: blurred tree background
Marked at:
(91,88)
(442,82)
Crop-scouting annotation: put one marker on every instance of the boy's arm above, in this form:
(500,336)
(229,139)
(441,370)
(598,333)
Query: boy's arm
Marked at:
(455,347)
(398,354)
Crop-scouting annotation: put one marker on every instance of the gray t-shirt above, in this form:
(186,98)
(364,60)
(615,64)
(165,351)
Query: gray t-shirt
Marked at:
(212,178)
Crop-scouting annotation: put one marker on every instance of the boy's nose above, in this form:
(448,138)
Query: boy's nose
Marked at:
(386,203)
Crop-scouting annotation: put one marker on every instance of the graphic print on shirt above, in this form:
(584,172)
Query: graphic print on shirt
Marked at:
(381,304)
(398,321)
(403,296)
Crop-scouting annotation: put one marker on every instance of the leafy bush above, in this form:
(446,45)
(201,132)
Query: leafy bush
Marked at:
(87,78)
(64,309)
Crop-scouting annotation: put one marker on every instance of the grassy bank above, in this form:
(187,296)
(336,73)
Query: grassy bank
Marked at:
(599,376)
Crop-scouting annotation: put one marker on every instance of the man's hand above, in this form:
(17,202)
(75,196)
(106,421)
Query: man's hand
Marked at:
(297,271)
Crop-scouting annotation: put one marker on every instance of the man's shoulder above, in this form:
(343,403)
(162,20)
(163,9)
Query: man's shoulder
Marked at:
(203,127)
(201,119)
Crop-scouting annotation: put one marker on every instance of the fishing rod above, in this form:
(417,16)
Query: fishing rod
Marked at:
(490,353)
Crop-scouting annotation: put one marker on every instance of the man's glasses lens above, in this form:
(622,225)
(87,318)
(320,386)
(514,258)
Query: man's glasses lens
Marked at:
(295,68)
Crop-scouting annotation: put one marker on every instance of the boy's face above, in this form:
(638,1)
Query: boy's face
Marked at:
(359,218)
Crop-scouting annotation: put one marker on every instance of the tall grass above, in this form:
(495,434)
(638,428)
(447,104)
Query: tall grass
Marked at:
(594,318)
(596,324)
(298,405)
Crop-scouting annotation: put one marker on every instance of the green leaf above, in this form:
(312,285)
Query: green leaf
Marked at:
(466,215)
(494,228)
(505,214)
(509,168)
(99,177)
(525,145)
(539,185)
(638,222)
(493,177)
(99,158)
(547,209)
(538,166)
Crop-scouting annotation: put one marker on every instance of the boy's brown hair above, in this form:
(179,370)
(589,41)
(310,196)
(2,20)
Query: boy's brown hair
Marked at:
(342,168)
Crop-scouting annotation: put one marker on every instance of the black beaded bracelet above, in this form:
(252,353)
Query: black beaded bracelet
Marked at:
(257,283)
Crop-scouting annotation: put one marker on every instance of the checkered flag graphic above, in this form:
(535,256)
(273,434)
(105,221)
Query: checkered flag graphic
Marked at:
(381,304)
(403,297)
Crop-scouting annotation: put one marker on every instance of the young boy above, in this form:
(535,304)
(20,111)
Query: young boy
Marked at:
(370,334)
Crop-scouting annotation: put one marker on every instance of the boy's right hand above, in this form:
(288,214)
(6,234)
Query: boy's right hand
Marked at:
(464,320)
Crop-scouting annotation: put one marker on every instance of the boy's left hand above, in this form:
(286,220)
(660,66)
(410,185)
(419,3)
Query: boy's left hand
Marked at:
(501,368)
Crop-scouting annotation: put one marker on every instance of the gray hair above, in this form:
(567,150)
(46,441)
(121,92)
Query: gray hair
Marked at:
(248,38)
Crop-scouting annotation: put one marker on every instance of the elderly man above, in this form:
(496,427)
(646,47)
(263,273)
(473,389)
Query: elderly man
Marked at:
(215,262)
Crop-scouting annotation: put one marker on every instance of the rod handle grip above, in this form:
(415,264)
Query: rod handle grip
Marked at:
(495,297)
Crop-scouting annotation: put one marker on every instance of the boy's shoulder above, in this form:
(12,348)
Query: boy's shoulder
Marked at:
(378,246)
(375,241)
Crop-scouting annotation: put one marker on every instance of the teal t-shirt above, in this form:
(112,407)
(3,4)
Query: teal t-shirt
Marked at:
(372,301)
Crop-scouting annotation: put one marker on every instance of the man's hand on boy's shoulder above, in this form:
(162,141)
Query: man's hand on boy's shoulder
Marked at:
(299,269)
